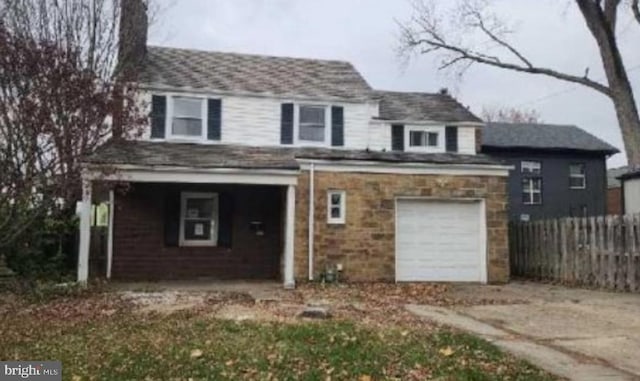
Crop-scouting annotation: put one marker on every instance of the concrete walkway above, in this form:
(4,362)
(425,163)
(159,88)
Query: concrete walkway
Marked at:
(577,334)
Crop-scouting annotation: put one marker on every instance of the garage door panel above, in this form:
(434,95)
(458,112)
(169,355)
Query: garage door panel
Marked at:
(438,241)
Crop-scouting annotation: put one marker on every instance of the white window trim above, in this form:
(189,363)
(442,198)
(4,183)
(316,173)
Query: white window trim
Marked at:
(169,119)
(440,148)
(216,220)
(531,191)
(535,163)
(343,207)
(327,125)
(582,176)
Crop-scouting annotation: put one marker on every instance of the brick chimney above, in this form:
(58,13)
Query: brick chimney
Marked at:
(132,49)
(134,23)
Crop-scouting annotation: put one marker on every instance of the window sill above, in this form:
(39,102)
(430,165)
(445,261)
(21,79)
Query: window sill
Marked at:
(198,244)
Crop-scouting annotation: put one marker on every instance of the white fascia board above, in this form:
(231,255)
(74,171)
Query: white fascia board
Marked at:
(428,123)
(407,168)
(168,174)
(187,91)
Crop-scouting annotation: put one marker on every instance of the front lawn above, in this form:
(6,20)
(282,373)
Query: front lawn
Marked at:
(102,339)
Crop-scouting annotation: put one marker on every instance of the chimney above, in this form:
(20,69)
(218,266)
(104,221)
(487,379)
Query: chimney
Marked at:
(133,36)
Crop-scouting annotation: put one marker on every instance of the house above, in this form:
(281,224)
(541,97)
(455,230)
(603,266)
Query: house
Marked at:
(614,190)
(259,167)
(559,171)
(630,190)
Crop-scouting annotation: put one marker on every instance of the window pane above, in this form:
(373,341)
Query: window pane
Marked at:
(199,208)
(417,138)
(537,198)
(312,133)
(433,139)
(187,127)
(536,184)
(312,115)
(335,199)
(531,167)
(576,169)
(187,107)
(197,229)
(335,212)
(576,182)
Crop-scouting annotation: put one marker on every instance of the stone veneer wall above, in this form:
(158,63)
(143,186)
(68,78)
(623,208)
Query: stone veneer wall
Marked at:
(365,245)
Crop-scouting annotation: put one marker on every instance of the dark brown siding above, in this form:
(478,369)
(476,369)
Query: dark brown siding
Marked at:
(614,200)
(140,252)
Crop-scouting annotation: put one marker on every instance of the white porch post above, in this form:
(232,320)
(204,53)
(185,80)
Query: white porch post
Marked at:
(289,281)
(112,205)
(85,231)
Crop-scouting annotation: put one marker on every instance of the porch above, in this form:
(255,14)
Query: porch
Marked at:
(185,223)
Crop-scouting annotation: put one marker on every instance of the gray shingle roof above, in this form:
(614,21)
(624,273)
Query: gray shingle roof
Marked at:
(542,136)
(247,73)
(422,106)
(147,153)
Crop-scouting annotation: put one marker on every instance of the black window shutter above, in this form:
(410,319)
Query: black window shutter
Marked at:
(214,119)
(225,218)
(337,126)
(158,115)
(172,218)
(397,137)
(286,124)
(451,138)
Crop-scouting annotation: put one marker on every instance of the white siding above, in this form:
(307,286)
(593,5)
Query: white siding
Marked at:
(256,120)
(467,140)
(632,196)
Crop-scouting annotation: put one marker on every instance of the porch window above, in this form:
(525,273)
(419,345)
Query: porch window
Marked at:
(336,202)
(423,139)
(312,123)
(577,176)
(187,117)
(199,219)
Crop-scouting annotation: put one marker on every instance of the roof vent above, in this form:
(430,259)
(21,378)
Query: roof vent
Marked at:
(444,91)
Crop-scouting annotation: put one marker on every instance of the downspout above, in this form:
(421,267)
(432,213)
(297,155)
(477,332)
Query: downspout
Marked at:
(311,218)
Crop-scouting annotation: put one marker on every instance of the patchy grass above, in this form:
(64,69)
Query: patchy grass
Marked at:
(101,338)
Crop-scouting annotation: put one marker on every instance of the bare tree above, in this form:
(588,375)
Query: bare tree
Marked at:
(510,115)
(472,34)
(60,89)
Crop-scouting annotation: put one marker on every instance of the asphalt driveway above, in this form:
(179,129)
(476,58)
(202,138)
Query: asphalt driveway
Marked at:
(578,334)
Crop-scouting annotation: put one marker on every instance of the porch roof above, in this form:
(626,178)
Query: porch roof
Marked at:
(215,156)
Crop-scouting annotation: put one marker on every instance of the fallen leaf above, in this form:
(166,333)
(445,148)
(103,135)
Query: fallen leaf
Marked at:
(365,377)
(196,353)
(446,351)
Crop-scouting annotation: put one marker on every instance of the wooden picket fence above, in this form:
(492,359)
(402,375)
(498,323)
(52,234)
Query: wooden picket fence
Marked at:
(594,251)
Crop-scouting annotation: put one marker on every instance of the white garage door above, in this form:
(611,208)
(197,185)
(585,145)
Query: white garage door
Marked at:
(439,241)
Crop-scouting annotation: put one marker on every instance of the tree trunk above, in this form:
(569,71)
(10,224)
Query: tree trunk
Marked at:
(627,113)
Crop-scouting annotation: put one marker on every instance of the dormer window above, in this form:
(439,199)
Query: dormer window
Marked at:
(312,124)
(427,139)
(188,117)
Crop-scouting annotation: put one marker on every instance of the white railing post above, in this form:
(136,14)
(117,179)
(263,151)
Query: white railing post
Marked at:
(85,232)
(289,281)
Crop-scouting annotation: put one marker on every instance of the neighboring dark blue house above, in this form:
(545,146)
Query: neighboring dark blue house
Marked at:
(559,171)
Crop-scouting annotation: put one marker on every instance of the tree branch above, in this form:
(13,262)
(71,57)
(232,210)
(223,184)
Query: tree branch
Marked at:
(635,8)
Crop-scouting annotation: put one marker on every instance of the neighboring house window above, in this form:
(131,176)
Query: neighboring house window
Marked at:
(425,138)
(187,120)
(336,201)
(531,167)
(577,176)
(199,219)
(312,123)
(532,191)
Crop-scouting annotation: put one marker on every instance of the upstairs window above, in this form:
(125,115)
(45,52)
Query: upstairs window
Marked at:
(531,167)
(423,139)
(312,124)
(577,176)
(187,117)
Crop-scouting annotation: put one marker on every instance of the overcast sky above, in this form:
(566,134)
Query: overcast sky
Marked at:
(364,32)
